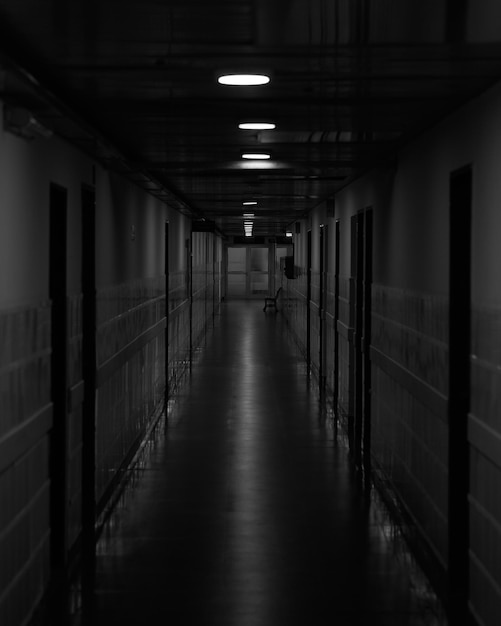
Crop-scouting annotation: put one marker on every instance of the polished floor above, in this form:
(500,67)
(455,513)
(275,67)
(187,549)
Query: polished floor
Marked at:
(245,510)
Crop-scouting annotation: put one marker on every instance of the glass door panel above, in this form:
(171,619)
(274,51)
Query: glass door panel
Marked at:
(258,271)
(237,273)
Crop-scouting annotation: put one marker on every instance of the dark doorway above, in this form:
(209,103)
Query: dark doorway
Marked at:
(166,336)
(88,277)
(366,340)
(58,434)
(321,305)
(189,285)
(335,399)
(459,391)
(308,302)
(362,273)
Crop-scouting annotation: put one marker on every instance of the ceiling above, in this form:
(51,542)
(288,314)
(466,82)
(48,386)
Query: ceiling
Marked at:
(134,84)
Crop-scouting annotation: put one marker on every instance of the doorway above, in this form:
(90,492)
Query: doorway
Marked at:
(337,258)
(248,273)
(308,302)
(88,204)
(460,200)
(321,307)
(59,383)
(362,225)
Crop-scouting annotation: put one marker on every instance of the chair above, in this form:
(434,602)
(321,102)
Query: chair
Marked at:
(271,301)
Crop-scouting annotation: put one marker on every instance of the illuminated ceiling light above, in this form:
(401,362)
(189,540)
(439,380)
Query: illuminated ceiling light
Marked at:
(248,215)
(243,80)
(288,234)
(257,126)
(249,203)
(256,156)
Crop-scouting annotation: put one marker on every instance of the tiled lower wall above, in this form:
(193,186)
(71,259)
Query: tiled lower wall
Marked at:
(314,305)
(25,419)
(346,349)
(412,330)
(202,294)
(130,360)
(295,308)
(179,329)
(74,417)
(130,344)
(330,333)
(485,479)
(126,311)
(409,405)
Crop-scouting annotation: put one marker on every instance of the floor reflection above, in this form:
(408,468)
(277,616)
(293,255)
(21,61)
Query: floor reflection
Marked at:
(245,510)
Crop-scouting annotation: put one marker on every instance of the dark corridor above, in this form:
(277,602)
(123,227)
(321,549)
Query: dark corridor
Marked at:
(246,511)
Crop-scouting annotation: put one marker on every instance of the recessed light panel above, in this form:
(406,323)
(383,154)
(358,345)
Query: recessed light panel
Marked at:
(256,126)
(243,80)
(256,155)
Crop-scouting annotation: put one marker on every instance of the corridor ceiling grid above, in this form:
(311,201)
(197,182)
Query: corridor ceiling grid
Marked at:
(134,84)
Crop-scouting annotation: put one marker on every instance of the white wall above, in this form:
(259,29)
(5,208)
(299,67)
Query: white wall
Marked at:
(26,170)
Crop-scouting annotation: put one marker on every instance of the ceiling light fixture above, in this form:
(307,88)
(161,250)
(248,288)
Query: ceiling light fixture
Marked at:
(243,80)
(251,202)
(248,226)
(256,155)
(257,126)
